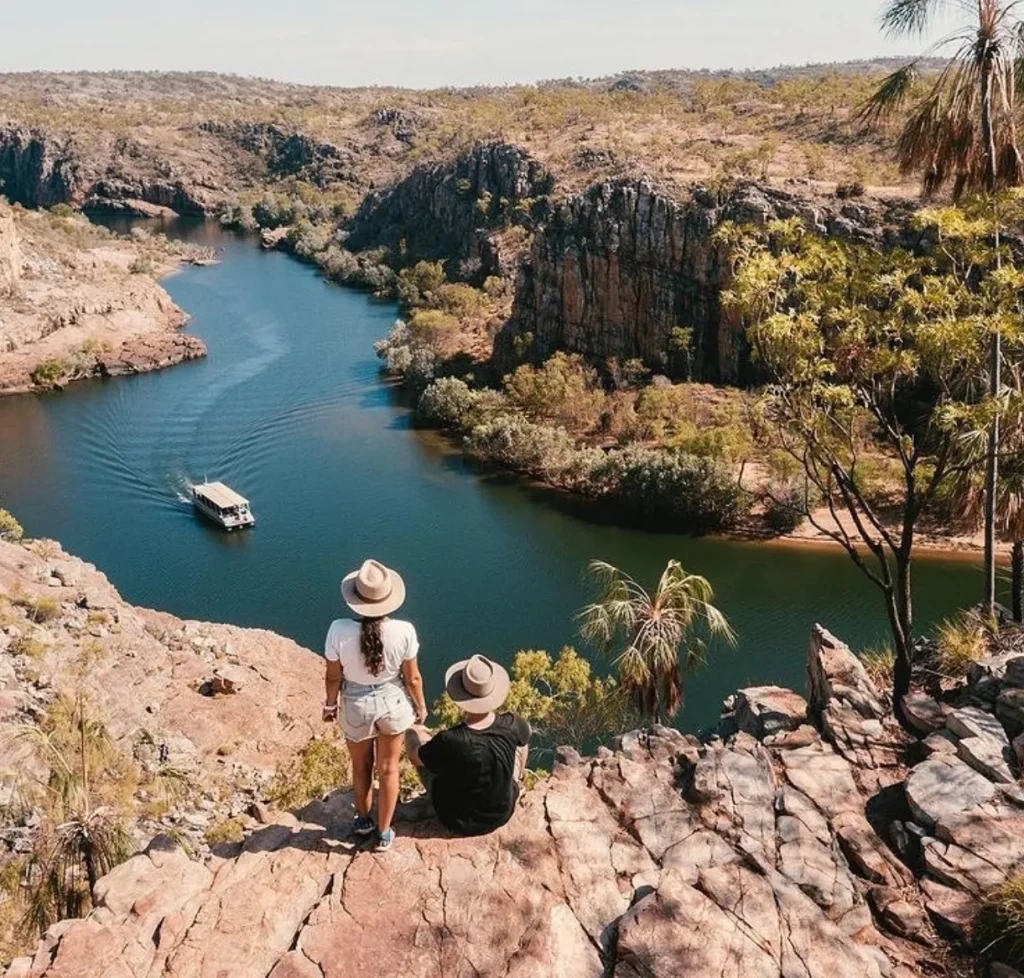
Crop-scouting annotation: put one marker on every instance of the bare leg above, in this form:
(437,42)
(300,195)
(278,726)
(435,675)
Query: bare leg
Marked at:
(361,752)
(389,750)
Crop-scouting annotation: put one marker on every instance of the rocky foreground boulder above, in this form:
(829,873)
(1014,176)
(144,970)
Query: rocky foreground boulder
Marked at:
(766,854)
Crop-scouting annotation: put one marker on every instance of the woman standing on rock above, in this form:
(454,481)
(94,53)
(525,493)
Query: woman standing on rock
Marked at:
(372,663)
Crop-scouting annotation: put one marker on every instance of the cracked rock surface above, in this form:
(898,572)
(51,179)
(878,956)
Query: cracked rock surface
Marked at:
(663,858)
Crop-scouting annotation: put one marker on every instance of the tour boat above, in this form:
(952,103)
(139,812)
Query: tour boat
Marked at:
(222,505)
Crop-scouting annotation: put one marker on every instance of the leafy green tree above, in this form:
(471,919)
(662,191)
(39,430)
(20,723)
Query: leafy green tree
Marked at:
(658,637)
(868,353)
(562,699)
(419,284)
(963,130)
(564,390)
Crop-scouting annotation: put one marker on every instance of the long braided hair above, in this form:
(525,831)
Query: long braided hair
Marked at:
(371,644)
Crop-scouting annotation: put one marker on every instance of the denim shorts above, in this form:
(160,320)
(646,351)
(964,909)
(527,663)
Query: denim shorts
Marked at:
(367,711)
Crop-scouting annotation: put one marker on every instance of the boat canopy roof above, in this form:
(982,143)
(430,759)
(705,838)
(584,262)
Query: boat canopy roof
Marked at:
(220,495)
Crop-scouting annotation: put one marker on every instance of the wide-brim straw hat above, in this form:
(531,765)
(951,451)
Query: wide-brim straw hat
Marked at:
(477,685)
(374,590)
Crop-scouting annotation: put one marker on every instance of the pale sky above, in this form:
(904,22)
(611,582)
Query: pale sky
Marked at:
(430,43)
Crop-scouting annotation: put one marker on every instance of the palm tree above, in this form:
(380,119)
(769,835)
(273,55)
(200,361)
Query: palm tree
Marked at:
(963,132)
(653,634)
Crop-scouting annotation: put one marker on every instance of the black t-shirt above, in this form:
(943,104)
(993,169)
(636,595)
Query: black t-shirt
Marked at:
(474,788)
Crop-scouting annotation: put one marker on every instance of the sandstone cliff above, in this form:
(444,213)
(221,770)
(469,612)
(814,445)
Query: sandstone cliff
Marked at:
(10,255)
(36,169)
(76,301)
(617,269)
(289,153)
(795,845)
(40,167)
(456,212)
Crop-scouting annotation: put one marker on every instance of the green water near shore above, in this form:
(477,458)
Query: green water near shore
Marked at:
(289,408)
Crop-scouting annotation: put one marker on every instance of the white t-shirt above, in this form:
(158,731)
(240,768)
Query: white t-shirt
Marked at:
(342,645)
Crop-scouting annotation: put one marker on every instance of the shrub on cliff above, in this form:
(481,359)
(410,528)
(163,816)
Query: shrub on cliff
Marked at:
(431,327)
(564,390)
(307,239)
(48,373)
(999,926)
(365,270)
(684,491)
(274,211)
(448,403)
(417,285)
(961,641)
(321,766)
(10,528)
(238,215)
(408,357)
(83,834)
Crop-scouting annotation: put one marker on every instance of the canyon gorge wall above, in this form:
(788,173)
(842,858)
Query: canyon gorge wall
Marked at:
(628,268)
(459,212)
(618,269)
(625,269)
(37,170)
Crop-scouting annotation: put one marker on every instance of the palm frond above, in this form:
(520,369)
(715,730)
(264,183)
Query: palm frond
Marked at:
(652,630)
(890,96)
(902,17)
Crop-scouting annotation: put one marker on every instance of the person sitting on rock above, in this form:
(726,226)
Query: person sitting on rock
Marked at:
(372,663)
(472,771)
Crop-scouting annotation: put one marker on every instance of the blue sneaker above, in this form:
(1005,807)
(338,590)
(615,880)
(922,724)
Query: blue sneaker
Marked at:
(384,840)
(363,825)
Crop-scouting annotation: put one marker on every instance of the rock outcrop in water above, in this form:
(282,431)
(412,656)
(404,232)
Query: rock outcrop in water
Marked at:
(772,853)
(457,213)
(618,269)
(76,302)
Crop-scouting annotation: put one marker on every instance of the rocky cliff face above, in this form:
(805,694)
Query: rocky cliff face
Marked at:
(36,169)
(288,154)
(40,168)
(455,213)
(788,847)
(148,679)
(618,269)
